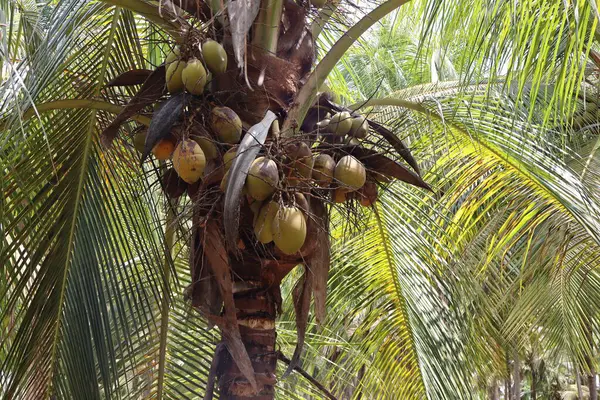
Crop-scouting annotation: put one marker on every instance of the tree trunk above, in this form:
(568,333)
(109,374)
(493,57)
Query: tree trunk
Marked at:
(578,380)
(591,379)
(517,376)
(256,312)
(494,390)
(592,385)
(533,382)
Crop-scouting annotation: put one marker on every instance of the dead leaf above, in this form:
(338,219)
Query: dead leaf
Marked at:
(246,153)
(131,78)
(319,260)
(163,121)
(214,248)
(242,14)
(153,89)
(301,295)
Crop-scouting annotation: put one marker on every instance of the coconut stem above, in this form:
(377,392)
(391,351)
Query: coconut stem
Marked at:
(266,27)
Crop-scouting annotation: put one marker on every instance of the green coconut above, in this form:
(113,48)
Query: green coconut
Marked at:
(173,56)
(139,141)
(262,178)
(350,173)
(323,125)
(352,141)
(189,161)
(289,230)
(301,202)
(208,146)
(229,156)
(214,56)
(360,127)
(194,77)
(173,76)
(323,170)
(263,222)
(223,184)
(341,123)
(226,124)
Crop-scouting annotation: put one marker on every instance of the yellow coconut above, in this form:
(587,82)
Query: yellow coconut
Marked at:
(139,141)
(208,146)
(194,77)
(341,123)
(360,127)
(229,156)
(226,124)
(262,178)
(289,230)
(263,223)
(323,169)
(174,79)
(173,56)
(350,173)
(163,149)
(189,161)
(215,56)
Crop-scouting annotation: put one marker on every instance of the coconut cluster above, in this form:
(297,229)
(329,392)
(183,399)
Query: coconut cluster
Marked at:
(283,177)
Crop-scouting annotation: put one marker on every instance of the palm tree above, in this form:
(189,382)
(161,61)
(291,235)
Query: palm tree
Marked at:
(80,296)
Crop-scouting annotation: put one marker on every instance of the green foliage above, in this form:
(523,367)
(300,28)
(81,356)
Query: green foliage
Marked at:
(428,297)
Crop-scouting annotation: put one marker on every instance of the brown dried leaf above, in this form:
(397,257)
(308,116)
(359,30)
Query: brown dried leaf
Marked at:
(214,248)
(153,89)
(319,260)
(242,14)
(246,153)
(131,78)
(301,295)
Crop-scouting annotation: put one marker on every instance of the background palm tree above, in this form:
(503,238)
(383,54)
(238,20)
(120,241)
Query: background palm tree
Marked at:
(433,295)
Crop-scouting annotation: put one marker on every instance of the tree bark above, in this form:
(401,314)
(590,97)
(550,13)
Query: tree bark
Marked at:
(517,377)
(578,380)
(591,378)
(256,311)
(533,382)
(494,390)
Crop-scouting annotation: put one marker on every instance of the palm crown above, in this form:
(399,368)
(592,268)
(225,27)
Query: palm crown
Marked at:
(427,293)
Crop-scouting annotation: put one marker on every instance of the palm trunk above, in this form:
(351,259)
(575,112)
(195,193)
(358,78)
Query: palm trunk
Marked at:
(256,311)
(508,382)
(533,384)
(591,381)
(578,380)
(591,378)
(493,390)
(517,377)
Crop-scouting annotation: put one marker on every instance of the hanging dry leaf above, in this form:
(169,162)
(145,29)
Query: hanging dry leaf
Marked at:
(319,260)
(153,89)
(214,248)
(301,295)
(242,14)
(247,151)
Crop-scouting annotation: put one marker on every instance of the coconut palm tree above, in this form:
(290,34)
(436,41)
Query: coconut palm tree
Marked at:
(90,302)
